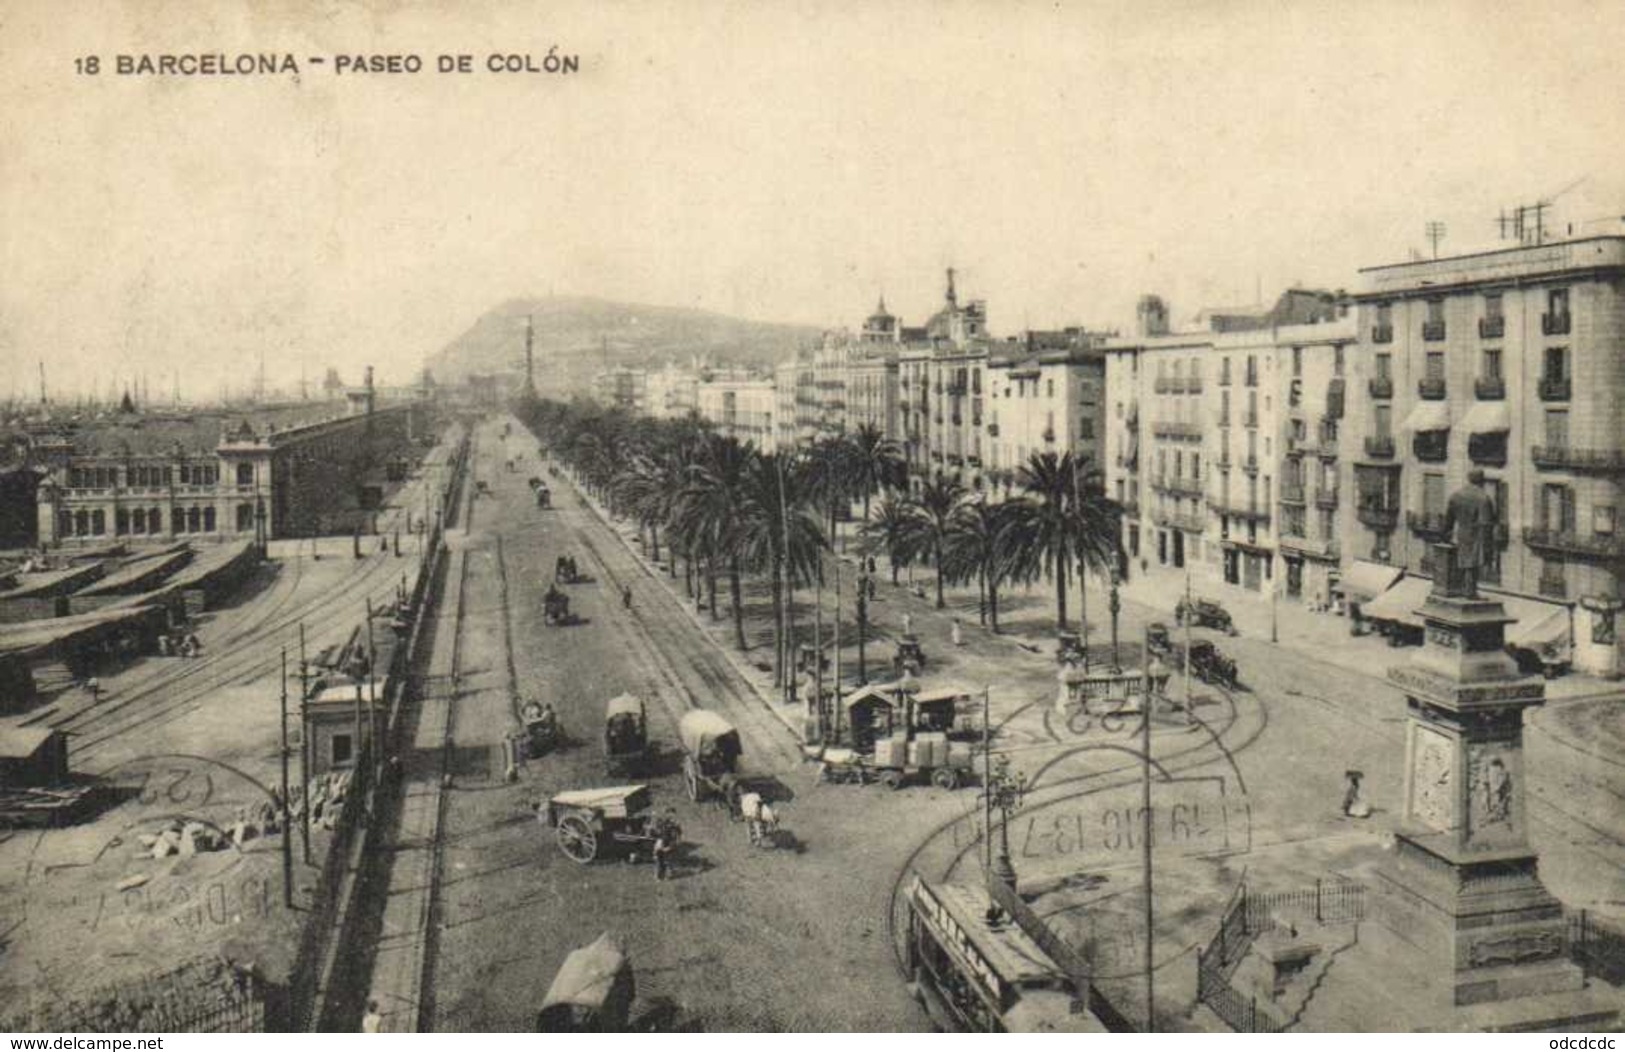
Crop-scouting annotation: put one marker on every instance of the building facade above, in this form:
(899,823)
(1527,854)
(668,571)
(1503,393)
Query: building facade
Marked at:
(1508,362)
(743,408)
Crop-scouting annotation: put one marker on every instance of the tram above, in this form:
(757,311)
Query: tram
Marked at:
(975,970)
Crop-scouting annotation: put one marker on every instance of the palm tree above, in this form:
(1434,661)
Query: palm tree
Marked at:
(716,514)
(1043,524)
(779,537)
(895,529)
(982,546)
(829,470)
(934,507)
(874,463)
(1097,531)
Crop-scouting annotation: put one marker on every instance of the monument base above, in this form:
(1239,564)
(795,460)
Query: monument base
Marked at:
(1487,926)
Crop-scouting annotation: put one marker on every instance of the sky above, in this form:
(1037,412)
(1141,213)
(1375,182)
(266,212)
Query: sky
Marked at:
(784,162)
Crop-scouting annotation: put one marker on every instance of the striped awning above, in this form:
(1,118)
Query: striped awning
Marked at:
(1487,418)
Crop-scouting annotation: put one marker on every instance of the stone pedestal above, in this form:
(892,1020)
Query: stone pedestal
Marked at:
(1465,889)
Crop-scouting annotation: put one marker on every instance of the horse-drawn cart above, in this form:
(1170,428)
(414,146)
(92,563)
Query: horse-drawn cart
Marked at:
(626,733)
(591,823)
(711,752)
(592,993)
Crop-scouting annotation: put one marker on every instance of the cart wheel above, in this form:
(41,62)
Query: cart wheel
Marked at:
(945,778)
(891,779)
(577,839)
(691,779)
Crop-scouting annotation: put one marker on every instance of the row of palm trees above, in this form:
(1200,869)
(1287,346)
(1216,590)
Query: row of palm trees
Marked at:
(725,510)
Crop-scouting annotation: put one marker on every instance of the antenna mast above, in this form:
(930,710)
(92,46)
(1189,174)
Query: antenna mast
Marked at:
(1435,233)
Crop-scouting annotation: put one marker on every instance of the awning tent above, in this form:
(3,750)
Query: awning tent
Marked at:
(1400,603)
(1540,626)
(1367,580)
(1429,416)
(1487,418)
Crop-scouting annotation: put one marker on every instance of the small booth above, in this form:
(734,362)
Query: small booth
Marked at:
(1395,611)
(1363,583)
(339,720)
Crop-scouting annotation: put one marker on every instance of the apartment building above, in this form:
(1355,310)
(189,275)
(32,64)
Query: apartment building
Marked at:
(1509,362)
(743,407)
(1045,393)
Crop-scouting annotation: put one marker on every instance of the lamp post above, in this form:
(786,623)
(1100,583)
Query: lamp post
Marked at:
(1156,680)
(1115,605)
(1005,791)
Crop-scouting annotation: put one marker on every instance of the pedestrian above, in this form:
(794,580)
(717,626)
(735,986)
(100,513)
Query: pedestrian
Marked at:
(373,1021)
(908,623)
(193,644)
(957,633)
(94,685)
(1354,805)
(626,596)
(662,850)
(750,806)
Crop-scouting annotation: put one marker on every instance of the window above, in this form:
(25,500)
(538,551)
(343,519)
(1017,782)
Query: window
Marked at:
(1337,359)
(208,520)
(343,749)
(1224,372)
(1602,520)
(1385,367)
(1049,388)
(1492,364)
(1224,408)
(1602,627)
(1435,365)
(1297,361)
(1385,314)
(1196,466)
(1557,303)
(1179,463)
(1557,427)
(121,521)
(1086,428)
(138,520)
(1119,410)
(1492,305)
(1433,494)
(1435,309)
(1556,362)
(1557,508)
(98,522)
(155,521)
(1252,370)
(81,523)
(245,472)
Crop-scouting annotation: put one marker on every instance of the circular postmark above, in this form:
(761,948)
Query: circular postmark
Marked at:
(182,857)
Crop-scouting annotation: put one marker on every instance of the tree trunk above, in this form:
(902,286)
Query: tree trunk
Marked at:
(936,557)
(737,603)
(993,605)
(981,596)
(1060,589)
(711,586)
(654,542)
(778,623)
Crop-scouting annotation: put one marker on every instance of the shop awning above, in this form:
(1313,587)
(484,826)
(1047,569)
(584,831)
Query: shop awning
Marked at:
(1367,580)
(1400,602)
(1539,625)
(1486,418)
(1429,416)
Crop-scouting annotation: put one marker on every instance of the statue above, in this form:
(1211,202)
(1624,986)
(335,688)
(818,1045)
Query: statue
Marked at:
(1470,519)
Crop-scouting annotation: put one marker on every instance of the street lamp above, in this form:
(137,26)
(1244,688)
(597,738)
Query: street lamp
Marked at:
(1005,791)
(1114,606)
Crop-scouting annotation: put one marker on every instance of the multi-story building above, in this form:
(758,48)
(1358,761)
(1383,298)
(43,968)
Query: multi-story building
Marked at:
(1045,393)
(1506,361)
(745,408)
(622,387)
(296,471)
(1206,428)
(669,391)
(871,389)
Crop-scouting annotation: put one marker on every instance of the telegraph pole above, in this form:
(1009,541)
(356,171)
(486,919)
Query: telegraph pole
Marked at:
(287,832)
(835,716)
(304,744)
(987,784)
(1190,615)
(1145,831)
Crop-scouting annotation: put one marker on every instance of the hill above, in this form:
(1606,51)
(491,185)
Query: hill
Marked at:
(578,336)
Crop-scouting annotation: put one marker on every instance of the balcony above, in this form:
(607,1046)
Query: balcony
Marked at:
(1250,464)
(1322,549)
(1163,385)
(1179,521)
(1130,461)
(956,419)
(974,461)
(1249,419)
(1555,389)
(1567,542)
(1555,324)
(1379,517)
(1430,388)
(1433,331)
(1180,486)
(956,390)
(1381,386)
(1431,446)
(1552,584)
(1176,429)
(993,429)
(1250,511)
(1224,462)
(1328,447)
(1575,458)
(1429,524)
(1382,334)
(1049,434)
(1131,508)
(1293,493)
(1379,447)
(1490,388)
(1492,328)
(1326,498)
(1193,385)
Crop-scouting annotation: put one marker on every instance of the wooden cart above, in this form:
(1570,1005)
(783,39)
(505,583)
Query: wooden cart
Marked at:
(592,823)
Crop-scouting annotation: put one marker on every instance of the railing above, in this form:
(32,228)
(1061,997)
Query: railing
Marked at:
(1555,389)
(1433,331)
(1236,509)
(1377,516)
(1492,328)
(1162,385)
(1426,523)
(1555,324)
(1597,947)
(1179,521)
(1193,385)
(1381,386)
(1575,458)
(1328,447)
(956,389)
(1176,429)
(1183,487)
(1553,584)
(1293,493)
(993,429)
(1326,498)
(1490,388)
(1049,434)
(1250,464)
(1382,334)
(1379,446)
(1322,548)
(1596,546)
(1249,419)
(1130,507)
(1430,388)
